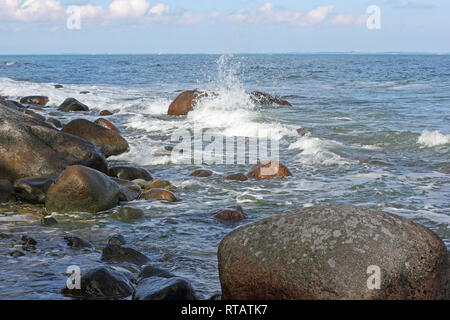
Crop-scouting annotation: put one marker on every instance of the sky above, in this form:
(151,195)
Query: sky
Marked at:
(232,26)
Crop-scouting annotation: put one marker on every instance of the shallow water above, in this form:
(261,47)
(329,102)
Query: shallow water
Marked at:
(393,109)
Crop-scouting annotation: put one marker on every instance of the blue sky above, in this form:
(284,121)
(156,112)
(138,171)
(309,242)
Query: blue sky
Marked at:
(207,26)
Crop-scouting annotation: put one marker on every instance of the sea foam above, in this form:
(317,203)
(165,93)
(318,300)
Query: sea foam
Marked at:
(433,138)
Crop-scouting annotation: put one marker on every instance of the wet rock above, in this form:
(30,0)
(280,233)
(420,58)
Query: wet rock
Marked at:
(237,177)
(109,142)
(117,240)
(48,221)
(58,86)
(55,122)
(230,214)
(261,98)
(304,131)
(105,113)
(71,104)
(129,173)
(84,92)
(201,173)
(152,271)
(102,283)
(216,297)
(12,104)
(325,252)
(116,253)
(185,102)
(140,182)
(159,194)
(129,191)
(157,184)
(77,243)
(128,214)
(371,160)
(38,149)
(82,189)
(28,243)
(269,170)
(158,288)
(106,124)
(33,189)
(34,115)
(39,100)
(16,253)
(6,191)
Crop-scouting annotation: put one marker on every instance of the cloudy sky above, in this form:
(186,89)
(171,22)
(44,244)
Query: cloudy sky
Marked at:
(212,26)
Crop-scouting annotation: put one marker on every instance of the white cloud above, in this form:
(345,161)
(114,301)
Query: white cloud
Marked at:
(124,9)
(349,20)
(31,10)
(318,15)
(160,9)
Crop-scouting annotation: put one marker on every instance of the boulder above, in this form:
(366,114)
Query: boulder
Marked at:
(201,173)
(33,189)
(129,191)
(6,191)
(158,184)
(39,100)
(264,99)
(185,102)
(102,283)
(159,194)
(269,170)
(117,239)
(237,177)
(159,288)
(71,104)
(152,271)
(12,104)
(333,252)
(58,86)
(230,214)
(48,221)
(77,243)
(105,113)
(129,173)
(55,122)
(109,142)
(29,147)
(106,124)
(117,253)
(82,189)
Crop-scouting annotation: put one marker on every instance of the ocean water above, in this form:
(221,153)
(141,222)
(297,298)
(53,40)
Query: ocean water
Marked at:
(381,139)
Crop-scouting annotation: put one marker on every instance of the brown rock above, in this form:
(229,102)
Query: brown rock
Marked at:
(159,194)
(237,177)
(6,191)
(106,124)
(71,104)
(82,189)
(201,173)
(157,184)
(230,214)
(185,102)
(39,100)
(105,113)
(34,115)
(329,252)
(108,141)
(128,172)
(269,170)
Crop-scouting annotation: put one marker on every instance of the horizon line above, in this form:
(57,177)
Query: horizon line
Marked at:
(243,53)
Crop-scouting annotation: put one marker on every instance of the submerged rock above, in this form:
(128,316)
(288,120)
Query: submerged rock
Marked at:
(201,173)
(29,147)
(82,189)
(128,214)
(304,131)
(159,288)
(230,214)
(117,253)
(109,142)
(333,252)
(33,189)
(129,191)
(261,98)
(269,170)
(105,113)
(117,239)
(6,191)
(48,221)
(159,194)
(152,271)
(129,173)
(185,102)
(77,243)
(71,104)
(102,283)
(237,177)
(39,100)
(16,253)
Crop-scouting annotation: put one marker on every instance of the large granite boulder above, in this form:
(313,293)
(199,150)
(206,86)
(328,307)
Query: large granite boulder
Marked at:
(333,252)
(185,102)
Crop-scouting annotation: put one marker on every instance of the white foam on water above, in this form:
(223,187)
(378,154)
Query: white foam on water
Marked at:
(317,151)
(433,138)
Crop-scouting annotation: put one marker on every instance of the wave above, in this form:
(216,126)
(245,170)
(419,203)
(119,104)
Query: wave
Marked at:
(9,63)
(433,138)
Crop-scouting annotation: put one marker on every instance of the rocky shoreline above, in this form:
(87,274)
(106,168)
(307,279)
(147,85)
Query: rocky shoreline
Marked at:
(298,255)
